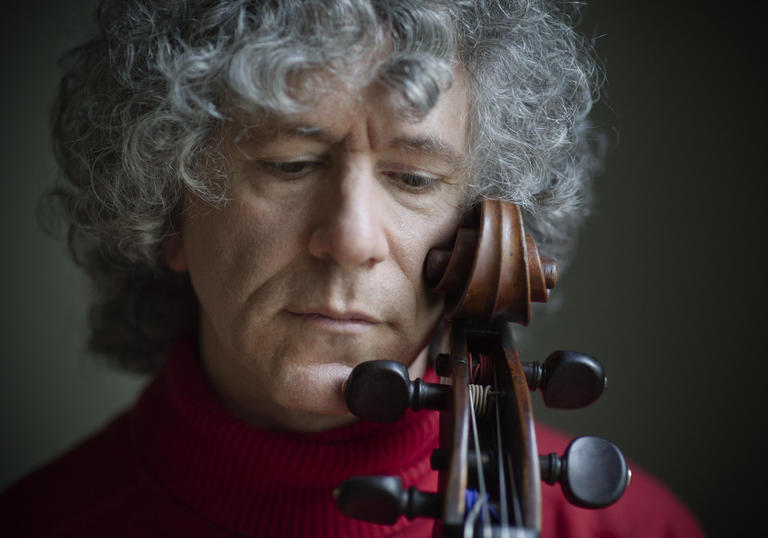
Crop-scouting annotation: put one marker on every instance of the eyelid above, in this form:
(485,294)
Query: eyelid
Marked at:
(275,166)
(291,157)
(423,182)
(401,169)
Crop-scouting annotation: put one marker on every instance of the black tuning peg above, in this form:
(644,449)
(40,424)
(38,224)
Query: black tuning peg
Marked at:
(381,391)
(593,472)
(383,499)
(567,379)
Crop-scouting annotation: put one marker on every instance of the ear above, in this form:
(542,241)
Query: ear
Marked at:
(173,252)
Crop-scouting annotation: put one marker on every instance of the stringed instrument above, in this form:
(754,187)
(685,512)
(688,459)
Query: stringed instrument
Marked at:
(490,471)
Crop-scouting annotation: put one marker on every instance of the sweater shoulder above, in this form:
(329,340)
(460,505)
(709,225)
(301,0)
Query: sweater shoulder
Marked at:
(89,480)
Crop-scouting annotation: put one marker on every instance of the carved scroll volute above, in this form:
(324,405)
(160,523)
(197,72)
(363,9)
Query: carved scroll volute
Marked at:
(494,269)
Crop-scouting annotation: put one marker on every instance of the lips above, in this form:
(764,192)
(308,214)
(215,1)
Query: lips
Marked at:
(336,315)
(346,321)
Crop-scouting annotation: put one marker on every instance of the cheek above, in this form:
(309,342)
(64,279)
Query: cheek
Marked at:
(232,251)
(418,238)
(414,247)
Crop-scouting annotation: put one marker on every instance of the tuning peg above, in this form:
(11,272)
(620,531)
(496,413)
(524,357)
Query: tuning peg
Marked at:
(383,499)
(592,473)
(567,379)
(381,391)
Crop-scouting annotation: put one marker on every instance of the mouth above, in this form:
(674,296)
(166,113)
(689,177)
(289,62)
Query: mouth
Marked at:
(349,321)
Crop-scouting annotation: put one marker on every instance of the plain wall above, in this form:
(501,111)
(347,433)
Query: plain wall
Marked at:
(667,287)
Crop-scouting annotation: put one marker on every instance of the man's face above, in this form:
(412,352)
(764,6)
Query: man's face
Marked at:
(315,263)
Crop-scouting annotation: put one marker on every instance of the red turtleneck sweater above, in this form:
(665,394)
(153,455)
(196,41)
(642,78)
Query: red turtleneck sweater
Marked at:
(179,465)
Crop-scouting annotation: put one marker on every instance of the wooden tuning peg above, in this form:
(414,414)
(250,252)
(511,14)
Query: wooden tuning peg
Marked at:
(592,473)
(567,379)
(381,391)
(383,499)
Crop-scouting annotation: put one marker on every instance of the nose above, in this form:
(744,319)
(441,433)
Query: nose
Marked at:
(350,230)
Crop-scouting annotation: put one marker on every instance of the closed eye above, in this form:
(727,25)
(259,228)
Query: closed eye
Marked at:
(290,169)
(414,182)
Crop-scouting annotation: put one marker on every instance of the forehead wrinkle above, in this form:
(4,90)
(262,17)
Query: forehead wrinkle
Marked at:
(276,129)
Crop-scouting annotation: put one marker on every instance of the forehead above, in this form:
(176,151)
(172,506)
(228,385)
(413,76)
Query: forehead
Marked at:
(373,117)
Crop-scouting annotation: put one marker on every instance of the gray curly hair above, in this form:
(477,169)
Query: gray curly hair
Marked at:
(135,120)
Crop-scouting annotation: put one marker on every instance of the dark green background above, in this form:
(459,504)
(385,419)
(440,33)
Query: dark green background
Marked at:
(667,288)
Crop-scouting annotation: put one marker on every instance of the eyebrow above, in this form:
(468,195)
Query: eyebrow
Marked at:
(429,146)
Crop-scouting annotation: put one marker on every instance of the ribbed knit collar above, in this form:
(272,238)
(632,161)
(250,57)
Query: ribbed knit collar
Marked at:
(262,483)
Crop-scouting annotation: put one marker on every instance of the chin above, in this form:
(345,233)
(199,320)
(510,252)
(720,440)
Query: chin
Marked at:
(315,390)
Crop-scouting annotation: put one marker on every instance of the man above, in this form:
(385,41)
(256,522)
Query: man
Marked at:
(253,188)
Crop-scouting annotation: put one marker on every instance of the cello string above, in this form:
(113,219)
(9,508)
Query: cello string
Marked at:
(487,530)
(500,461)
(469,522)
(518,511)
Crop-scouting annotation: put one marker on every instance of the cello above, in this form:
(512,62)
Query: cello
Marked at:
(489,469)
